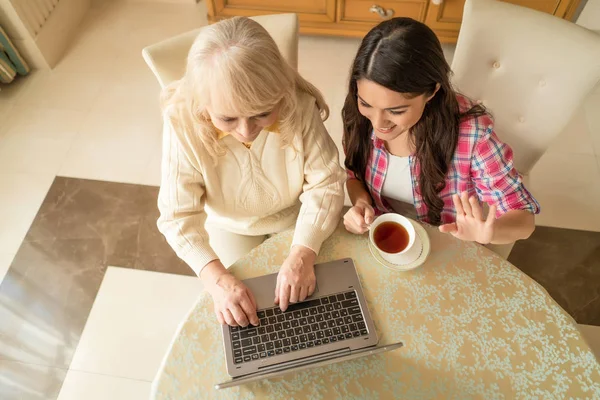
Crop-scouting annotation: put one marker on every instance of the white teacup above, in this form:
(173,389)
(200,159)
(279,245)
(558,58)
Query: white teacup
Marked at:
(411,252)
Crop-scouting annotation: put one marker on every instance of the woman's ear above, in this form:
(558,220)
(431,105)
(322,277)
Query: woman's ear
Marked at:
(437,87)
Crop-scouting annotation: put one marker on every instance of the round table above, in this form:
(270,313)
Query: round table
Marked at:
(473,326)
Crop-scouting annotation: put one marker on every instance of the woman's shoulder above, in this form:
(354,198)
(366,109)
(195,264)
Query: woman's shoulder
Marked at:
(473,126)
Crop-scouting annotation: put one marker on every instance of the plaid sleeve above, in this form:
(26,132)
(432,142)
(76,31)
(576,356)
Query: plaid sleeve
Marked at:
(495,177)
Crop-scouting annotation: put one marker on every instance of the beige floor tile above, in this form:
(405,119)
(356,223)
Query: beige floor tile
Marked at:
(20,381)
(567,187)
(36,140)
(122,336)
(64,89)
(116,138)
(22,195)
(82,385)
(18,87)
(5,261)
(153,170)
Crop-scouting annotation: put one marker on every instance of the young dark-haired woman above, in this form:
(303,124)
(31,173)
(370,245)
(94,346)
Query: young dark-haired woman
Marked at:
(413,144)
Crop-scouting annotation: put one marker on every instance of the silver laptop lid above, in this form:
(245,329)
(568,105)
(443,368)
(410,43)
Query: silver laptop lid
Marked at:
(335,319)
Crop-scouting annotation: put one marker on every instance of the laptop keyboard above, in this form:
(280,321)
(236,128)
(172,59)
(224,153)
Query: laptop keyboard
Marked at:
(303,325)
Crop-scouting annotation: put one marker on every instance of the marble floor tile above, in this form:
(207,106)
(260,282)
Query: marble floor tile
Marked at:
(81,227)
(20,381)
(82,385)
(567,264)
(122,337)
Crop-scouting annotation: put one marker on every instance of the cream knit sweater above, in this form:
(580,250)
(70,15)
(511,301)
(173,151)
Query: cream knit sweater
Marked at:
(261,190)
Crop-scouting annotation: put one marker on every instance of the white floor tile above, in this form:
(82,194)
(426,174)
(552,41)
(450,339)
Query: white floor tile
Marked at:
(567,187)
(132,322)
(22,195)
(5,261)
(36,140)
(82,385)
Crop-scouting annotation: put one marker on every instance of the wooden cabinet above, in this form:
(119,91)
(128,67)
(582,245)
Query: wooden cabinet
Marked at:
(356,17)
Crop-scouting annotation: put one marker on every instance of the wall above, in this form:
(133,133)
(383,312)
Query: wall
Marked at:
(590,15)
(45,49)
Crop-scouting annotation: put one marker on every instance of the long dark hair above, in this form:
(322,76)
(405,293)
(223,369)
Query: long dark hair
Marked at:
(405,56)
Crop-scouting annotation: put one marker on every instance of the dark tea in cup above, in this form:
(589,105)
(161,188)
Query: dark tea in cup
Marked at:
(391,237)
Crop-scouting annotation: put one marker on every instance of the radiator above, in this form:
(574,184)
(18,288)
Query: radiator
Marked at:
(34,13)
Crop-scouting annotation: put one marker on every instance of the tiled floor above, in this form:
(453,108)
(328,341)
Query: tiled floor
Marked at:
(96,116)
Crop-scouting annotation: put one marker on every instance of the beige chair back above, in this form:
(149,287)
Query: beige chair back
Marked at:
(532,70)
(167,59)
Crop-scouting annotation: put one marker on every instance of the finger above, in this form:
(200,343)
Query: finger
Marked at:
(448,228)
(464,197)
(284,297)
(369,215)
(276,301)
(491,214)
(458,205)
(476,208)
(229,318)
(220,317)
(311,289)
(294,294)
(303,293)
(250,310)
(358,220)
(252,299)
(239,315)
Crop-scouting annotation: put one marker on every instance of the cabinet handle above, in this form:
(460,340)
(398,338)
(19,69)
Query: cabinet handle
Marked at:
(385,14)
(437,2)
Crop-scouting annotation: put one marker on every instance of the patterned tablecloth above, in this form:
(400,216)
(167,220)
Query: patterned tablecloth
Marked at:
(473,326)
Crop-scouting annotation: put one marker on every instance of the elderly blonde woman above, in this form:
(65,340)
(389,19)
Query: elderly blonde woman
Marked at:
(246,155)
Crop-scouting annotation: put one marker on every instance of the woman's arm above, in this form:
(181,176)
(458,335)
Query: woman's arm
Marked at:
(181,204)
(357,192)
(499,184)
(323,191)
(512,226)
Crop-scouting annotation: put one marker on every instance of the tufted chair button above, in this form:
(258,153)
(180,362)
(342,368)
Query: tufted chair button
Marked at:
(521,119)
(496,65)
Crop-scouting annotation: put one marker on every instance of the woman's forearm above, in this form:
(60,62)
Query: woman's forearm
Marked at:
(357,192)
(512,226)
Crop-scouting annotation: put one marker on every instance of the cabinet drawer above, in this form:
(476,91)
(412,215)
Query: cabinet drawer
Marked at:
(364,10)
(283,6)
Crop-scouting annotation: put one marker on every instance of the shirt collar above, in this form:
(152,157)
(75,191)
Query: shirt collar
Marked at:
(272,128)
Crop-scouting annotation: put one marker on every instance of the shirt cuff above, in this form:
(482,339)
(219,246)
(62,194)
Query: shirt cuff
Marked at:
(309,236)
(198,258)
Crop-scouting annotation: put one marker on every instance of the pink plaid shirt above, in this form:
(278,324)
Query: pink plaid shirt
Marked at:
(481,165)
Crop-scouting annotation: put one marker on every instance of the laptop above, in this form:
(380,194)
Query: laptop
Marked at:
(332,325)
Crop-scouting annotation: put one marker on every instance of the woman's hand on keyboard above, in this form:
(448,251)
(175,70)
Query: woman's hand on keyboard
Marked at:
(296,279)
(234,302)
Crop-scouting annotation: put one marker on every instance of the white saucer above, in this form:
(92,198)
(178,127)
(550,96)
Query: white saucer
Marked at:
(426,247)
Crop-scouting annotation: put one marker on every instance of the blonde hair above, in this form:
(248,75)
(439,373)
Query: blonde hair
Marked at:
(236,65)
